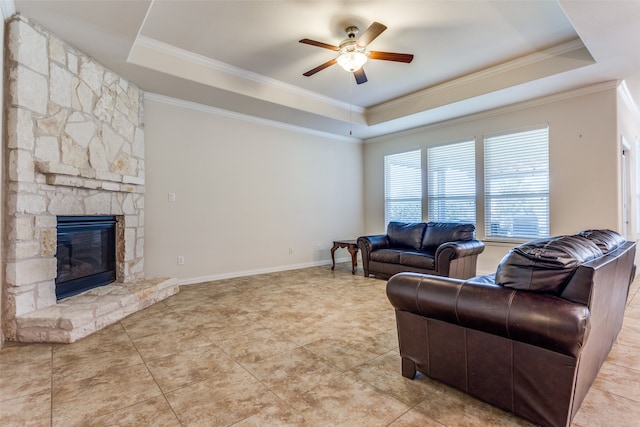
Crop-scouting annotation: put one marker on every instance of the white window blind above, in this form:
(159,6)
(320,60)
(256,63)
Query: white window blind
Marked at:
(516,174)
(403,187)
(451,183)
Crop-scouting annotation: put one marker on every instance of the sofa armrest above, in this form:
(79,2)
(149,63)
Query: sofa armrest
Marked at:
(450,251)
(368,244)
(459,249)
(373,243)
(538,319)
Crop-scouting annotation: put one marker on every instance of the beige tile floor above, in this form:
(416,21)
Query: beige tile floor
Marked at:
(310,347)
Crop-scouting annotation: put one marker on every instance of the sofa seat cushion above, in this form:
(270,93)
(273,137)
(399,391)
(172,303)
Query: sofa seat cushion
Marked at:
(418,260)
(404,257)
(545,265)
(405,235)
(438,233)
(389,256)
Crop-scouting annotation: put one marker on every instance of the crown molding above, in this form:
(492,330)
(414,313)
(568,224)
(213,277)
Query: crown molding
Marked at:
(245,117)
(201,60)
(628,100)
(479,76)
(536,102)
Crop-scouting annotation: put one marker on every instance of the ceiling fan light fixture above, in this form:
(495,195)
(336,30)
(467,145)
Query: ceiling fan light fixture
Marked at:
(352,61)
(352,57)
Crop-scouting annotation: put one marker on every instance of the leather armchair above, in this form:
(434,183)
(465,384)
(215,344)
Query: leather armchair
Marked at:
(530,338)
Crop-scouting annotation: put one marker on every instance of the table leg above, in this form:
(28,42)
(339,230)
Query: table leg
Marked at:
(353,249)
(333,251)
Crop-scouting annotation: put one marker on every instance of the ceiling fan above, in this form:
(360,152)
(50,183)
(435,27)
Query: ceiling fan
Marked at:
(354,54)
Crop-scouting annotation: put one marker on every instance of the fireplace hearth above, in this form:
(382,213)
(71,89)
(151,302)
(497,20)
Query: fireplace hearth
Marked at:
(86,253)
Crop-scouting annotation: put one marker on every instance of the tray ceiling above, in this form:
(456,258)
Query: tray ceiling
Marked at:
(244,56)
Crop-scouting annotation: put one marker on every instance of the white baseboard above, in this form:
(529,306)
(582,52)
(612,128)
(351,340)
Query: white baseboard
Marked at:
(214,277)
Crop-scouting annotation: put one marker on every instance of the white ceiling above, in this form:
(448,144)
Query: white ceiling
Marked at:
(244,56)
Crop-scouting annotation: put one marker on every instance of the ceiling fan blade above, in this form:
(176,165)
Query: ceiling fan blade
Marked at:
(320,67)
(391,56)
(371,33)
(360,76)
(320,44)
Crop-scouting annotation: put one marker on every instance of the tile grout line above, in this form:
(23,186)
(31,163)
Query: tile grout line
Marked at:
(51,389)
(150,373)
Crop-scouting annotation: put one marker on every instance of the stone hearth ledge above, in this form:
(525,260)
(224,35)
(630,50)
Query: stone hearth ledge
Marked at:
(83,314)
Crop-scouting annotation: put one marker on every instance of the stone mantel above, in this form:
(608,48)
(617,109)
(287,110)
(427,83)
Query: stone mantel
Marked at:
(58,174)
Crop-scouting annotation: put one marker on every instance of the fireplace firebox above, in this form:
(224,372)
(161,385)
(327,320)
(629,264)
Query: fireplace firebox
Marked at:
(86,253)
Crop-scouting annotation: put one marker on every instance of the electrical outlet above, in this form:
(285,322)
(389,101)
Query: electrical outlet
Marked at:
(172,197)
(181,260)
(290,251)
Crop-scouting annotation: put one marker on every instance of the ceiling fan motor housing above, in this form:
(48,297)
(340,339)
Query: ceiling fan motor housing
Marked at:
(352,32)
(350,45)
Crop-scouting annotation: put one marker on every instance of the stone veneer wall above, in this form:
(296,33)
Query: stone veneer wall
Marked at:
(75,146)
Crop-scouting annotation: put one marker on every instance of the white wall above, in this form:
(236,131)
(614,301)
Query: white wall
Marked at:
(246,192)
(583,150)
(5,15)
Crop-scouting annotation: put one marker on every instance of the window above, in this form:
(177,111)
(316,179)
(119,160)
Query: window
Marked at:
(516,174)
(452,183)
(403,187)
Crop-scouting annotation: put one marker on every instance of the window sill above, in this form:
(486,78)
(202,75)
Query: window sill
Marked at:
(505,242)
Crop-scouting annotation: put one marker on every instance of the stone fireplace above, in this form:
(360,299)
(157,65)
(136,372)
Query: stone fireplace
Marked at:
(75,146)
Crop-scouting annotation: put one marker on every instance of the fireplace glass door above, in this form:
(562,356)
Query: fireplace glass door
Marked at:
(86,253)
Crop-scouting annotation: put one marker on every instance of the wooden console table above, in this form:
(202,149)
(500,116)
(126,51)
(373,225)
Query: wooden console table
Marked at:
(352,247)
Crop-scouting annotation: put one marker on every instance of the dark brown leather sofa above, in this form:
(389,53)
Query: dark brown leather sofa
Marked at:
(529,339)
(443,249)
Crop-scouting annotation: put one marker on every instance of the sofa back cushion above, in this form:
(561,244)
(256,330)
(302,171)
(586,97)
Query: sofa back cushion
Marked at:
(606,240)
(407,235)
(545,265)
(438,233)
